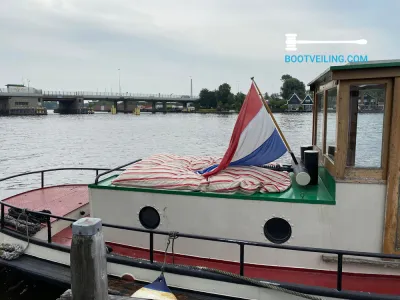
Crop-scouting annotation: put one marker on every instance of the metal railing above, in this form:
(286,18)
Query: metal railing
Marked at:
(96,181)
(102,94)
(241,243)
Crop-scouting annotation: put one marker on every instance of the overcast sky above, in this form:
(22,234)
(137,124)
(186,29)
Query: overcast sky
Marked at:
(158,44)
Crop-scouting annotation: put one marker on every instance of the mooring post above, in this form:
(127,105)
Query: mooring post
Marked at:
(88,260)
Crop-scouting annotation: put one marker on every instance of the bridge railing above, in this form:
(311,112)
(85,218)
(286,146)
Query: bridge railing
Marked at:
(126,94)
(60,94)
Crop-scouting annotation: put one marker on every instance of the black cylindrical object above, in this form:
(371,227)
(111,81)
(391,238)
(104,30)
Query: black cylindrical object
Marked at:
(304,148)
(311,164)
(300,173)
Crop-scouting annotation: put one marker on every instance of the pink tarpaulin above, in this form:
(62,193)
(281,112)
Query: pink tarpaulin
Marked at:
(174,172)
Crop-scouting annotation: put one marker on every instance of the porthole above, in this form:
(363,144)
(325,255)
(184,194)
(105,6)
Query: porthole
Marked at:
(277,230)
(149,217)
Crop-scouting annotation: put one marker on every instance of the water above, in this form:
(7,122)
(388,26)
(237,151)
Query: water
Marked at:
(105,140)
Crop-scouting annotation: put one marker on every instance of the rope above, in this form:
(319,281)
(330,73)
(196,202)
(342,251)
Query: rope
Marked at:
(272,286)
(171,237)
(10,251)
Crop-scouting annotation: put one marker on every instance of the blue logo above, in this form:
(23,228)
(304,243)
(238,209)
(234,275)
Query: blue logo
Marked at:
(324,58)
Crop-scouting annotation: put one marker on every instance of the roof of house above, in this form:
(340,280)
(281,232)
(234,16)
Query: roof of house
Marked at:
(307,100)
(294,99)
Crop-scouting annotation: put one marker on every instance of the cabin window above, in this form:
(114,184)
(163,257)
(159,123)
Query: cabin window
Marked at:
(320,119)
(331,123)
(367,107)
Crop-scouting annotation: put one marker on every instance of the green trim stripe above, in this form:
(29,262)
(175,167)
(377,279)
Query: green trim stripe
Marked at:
(318,194)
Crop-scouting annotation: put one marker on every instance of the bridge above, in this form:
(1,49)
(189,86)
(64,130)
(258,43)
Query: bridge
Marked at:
(73,102)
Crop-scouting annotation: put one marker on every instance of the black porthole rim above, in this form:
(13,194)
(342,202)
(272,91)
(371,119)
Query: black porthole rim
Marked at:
(153,223)
(273,238)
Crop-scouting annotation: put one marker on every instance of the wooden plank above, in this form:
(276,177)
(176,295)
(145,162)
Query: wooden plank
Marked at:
(68,296)
(352,173)
(368,81)
(353,117)
(393,178)
(361,180)
(314,123)
(386,127)
(327,86)
(342,127)
(366,73)
(325,112)
(329,165)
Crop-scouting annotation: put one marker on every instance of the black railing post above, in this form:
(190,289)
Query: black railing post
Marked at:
(339,271)
(97,173)
(42,176)
(2,215)
(151,247)
(241,259)
(48,230)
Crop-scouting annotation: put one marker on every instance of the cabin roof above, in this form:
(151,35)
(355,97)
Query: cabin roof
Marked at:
(307,100)
(294,99)
(326,76)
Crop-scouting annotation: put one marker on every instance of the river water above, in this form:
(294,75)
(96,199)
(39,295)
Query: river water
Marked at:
(105,140)
(29,143)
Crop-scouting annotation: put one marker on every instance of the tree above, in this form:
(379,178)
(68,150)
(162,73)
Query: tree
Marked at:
(275,96)
(224,96)
(239,99)
(266,96)
(207,99)
(292,85)
(285,77)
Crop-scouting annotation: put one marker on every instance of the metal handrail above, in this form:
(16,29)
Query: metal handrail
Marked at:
(241,243)
(115,169)
(42,172)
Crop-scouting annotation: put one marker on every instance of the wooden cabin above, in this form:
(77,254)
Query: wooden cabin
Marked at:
(358,148)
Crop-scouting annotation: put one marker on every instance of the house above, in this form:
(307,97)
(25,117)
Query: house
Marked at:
(293,103)
(368,102)
(307,103)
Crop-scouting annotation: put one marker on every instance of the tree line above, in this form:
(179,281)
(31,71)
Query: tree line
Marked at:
(222,99)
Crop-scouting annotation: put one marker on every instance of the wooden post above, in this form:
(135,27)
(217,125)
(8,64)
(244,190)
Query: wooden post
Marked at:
(391,243)
(88,260)
(342,128)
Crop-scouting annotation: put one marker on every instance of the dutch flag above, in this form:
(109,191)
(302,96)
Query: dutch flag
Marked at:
(255,140)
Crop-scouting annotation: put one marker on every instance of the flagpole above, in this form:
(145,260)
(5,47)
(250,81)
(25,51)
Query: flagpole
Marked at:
(276,124)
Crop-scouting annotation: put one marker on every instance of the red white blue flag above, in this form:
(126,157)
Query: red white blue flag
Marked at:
(255,140)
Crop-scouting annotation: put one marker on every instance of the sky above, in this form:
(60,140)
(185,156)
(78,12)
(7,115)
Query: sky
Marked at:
(158,45)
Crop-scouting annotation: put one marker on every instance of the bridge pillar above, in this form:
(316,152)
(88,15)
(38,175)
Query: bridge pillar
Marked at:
(153,107)
(116,106)
(73,106)
(164,107)
(125,106)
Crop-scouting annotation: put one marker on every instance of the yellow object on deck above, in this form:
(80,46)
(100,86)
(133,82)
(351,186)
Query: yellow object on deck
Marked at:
(136,111)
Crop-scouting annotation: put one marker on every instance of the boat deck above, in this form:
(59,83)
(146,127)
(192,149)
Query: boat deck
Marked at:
(61,200)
